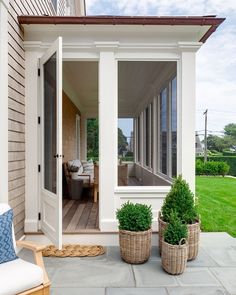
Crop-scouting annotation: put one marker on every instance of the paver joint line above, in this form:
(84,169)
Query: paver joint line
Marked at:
(135,283)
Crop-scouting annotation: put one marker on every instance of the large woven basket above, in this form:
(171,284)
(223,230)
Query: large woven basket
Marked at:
(193,240)
(174,257)
(135,247)
(162,226)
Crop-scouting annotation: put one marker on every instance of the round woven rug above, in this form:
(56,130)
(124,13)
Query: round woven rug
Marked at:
(73,250)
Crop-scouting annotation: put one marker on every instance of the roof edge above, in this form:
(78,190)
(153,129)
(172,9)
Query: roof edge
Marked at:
(212,21)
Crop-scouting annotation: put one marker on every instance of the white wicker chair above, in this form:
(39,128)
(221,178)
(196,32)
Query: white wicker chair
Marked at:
(22,277)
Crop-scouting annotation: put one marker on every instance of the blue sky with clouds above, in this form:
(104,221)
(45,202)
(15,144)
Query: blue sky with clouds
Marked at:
(216,60)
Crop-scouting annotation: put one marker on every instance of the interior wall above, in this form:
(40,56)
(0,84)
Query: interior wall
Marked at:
(69,113)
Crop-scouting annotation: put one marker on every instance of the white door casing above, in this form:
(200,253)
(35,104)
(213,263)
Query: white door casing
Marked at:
(51,176)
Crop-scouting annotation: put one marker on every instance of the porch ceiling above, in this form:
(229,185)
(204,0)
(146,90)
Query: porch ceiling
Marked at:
(135,83)
(136,80)
(82,76)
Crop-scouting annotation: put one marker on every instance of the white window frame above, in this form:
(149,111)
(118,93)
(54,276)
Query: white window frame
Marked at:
(150,160)
(168,86)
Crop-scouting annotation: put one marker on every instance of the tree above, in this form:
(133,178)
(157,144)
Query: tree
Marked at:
(92,138)
(216,143)
(230,130)
(122,142)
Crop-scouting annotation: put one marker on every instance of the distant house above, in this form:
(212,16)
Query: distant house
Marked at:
(198,146)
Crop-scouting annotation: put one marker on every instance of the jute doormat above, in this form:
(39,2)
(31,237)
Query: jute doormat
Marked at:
(73,250)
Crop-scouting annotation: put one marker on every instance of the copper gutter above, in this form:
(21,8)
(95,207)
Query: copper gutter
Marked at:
(127,20)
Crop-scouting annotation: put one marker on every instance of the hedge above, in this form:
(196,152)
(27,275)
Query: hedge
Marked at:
(230,160)
(211,168)
(229,153)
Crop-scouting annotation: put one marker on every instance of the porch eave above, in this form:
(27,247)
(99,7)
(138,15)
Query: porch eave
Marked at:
(212,22)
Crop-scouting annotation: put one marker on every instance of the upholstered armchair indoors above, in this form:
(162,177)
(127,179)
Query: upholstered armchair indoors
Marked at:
(16,275)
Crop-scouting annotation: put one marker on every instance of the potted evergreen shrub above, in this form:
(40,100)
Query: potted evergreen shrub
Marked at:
(174,246)
(181,199)
(135,232)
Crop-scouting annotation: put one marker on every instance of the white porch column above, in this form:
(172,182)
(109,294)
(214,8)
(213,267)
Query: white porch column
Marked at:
(107,138)
(186,87)
(4,5)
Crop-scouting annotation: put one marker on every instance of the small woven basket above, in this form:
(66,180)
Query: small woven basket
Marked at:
(174,257)
(193,240)
(162,226)
(135,247)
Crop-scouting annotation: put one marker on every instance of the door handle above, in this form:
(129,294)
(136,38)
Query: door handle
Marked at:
(58,156)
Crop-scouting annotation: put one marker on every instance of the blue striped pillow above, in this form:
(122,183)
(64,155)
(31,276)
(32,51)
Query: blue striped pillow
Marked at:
(7,251)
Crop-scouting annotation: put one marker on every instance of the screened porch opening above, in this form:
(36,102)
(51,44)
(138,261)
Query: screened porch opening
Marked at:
(147,123)
(80,146)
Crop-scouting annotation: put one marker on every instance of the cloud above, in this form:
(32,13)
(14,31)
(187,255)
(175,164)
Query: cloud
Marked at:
(216,60)
(154,7)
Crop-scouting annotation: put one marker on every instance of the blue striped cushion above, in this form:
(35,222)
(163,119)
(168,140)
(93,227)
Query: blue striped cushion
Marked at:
(7,251)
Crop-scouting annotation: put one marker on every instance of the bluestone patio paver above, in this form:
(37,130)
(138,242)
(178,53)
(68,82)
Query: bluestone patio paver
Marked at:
(200,276)
(94,274)
(223,256)
(202,260)
(227,276)
(136,291)
(78,291)
(152,275)
(196,291)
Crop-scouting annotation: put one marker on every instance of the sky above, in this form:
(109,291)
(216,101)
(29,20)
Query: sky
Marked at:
(216,59)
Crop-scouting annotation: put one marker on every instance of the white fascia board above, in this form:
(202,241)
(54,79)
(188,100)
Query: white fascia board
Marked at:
(115,33)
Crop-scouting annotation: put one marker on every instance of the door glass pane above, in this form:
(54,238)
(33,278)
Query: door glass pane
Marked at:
(50,125)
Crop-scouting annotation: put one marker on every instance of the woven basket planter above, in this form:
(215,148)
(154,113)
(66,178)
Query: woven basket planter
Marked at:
(162,226)
(174,257)
(135,247)
(193,240)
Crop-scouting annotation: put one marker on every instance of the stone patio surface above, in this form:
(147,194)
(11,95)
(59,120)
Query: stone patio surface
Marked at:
(213,272)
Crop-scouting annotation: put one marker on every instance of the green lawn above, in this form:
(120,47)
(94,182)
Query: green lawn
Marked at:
(217,203)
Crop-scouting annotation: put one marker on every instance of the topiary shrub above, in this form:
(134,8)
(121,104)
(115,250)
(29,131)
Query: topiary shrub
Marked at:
(134,217)
(175,230)
(181,200)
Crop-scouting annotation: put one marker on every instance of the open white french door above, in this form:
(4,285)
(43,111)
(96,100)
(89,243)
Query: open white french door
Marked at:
(51,181)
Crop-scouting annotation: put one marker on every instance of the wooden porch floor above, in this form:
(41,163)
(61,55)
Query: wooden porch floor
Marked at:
(80,216)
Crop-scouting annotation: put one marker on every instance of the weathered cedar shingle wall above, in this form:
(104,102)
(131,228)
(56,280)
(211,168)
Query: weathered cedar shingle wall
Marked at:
(16,90)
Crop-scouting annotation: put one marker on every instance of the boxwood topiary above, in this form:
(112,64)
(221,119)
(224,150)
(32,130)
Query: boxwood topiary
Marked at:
(134,217)
(175,230)
(181,200)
